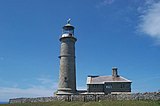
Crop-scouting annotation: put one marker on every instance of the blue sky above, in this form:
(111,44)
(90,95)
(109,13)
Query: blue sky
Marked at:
(121,33)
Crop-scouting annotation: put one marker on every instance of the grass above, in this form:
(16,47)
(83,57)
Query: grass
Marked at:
(102,103)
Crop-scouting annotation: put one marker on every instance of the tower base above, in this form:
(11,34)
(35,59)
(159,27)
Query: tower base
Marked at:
(66,91)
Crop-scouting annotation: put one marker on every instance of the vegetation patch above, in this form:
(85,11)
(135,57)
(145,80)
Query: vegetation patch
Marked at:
(100,103)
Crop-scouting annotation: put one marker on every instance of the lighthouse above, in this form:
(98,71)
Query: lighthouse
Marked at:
(67,72)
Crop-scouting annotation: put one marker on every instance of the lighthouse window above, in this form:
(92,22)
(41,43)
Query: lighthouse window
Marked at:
(65,79)
(68,31)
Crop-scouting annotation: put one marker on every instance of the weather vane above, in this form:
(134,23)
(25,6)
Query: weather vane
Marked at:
(68,21)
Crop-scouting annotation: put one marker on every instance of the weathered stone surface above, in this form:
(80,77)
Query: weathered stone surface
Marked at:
(135,96)
(67,76)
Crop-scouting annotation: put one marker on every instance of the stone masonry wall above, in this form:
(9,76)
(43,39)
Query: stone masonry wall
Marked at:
(135,96)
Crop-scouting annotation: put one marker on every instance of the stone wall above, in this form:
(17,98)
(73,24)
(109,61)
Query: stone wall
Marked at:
(135,96)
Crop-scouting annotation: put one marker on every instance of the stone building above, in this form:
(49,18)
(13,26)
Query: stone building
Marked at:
(114,84)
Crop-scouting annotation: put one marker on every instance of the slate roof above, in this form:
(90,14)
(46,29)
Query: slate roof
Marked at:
(103,79)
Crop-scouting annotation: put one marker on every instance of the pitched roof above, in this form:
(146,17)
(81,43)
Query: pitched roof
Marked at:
(103,79)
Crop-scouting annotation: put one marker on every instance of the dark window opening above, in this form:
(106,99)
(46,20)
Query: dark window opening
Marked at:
(65,79)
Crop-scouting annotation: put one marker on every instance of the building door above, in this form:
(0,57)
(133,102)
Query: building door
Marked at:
(107,88)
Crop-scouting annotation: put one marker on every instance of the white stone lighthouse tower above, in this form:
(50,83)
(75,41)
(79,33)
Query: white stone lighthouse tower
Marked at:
(67,74)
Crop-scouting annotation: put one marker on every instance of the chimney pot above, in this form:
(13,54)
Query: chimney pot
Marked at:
(115,72)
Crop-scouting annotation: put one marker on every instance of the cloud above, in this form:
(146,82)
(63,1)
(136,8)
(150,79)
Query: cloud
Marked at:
(44,80)
(150,21)
(7,93)
(81,88)
(104,3)
(44,87)
(145,81)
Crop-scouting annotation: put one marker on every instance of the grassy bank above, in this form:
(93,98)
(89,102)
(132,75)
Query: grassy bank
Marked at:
(102,103)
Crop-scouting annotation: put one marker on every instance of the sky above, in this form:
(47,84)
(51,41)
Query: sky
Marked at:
(110,33)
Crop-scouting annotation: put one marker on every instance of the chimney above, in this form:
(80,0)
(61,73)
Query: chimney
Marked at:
(115,72)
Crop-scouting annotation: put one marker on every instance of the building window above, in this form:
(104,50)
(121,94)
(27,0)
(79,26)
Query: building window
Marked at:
(122,85)
(95,86)
(87,87)
(108,86)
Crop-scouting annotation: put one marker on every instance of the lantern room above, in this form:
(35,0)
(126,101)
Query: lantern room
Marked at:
(68,30)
